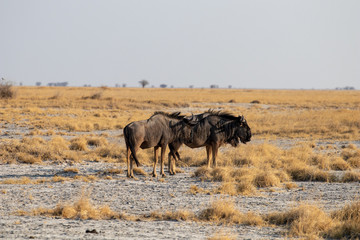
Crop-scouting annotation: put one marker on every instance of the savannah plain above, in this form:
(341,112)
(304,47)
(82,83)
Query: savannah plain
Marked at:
(63,166)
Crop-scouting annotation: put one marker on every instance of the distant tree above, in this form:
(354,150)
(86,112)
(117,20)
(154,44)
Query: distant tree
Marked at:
(143,83)
(191,86)
(163,85)
(124,85)
(230,86)
(214,86)
(38,84)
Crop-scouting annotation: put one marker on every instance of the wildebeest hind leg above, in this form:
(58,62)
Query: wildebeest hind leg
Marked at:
(129,160)
(155,161)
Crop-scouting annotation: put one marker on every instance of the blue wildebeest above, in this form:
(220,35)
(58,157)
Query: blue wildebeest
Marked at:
(157,131)
(212,130)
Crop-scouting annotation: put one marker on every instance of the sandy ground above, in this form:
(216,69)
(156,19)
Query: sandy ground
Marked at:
(143,196)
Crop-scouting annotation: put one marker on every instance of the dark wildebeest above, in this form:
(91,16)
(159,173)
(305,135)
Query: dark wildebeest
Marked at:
(212,130)
(157,131)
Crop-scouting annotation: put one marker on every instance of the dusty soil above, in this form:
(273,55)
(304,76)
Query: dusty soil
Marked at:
(143,196)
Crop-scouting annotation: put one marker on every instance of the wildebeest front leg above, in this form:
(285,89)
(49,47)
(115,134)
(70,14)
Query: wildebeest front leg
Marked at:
(155,161)
(208,152)
(214,155)
(130,173)
(163,148)
(170,166)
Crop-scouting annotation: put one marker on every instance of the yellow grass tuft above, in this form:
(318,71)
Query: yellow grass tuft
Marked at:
(224,211)
(139,171)
(305,220)
(266,179)
(221,211)
(71,170)
(221,235)
(351,177)
(79,144)
(81,209)
(349,222)
(180,215)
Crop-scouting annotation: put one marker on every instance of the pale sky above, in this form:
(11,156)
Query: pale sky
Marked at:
(246,44)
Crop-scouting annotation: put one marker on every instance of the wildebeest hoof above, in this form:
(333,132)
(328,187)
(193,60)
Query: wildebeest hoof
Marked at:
(163,175)
(154,175)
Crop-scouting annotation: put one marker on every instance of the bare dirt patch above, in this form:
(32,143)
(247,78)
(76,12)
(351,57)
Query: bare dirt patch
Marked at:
(141,197)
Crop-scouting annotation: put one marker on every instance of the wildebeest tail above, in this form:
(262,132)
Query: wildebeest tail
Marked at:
(130,143)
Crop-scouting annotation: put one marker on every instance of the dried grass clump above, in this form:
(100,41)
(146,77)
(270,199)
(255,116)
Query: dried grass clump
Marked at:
(351,177)
(78,144)
(303,172)
(180,215)
(195,190)
(227,188)
(224,211)
(27,158)
(36,150)
(305,220)
(266,179)
(97,141)
(222,236)
(22,180)
(71,170)
(139,171)
(114,151)
(352,156)
(81,209)
(339,164)
(349,222)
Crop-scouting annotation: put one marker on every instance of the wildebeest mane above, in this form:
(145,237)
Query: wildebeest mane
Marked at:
(174,115)
(222,114)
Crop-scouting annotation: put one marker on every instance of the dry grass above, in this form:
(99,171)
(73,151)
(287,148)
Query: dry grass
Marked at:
(304,220)
(312,222)
(180,215)
(248,168)
(221,235)
(284,113)
(195,190)
(81,209)
(224,211)
(348,225)
(36,150)
(351,177)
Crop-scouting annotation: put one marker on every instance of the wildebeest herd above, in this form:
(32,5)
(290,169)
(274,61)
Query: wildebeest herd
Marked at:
(210,129)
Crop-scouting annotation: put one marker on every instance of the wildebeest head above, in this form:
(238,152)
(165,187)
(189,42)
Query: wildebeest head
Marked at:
(243,131)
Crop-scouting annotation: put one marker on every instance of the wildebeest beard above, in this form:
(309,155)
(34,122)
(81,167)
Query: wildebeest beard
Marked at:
(233,141)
